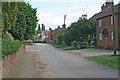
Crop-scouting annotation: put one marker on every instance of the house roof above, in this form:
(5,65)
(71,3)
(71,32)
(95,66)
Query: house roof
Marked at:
(106,12)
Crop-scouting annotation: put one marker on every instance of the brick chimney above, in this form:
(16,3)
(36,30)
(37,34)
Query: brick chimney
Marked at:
(50,29)
(108,3)
(58,26)
(63,26)
(103,7)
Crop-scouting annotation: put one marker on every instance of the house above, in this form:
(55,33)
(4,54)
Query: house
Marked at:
(44,35)
(49,35)
(105,25)
(57,31)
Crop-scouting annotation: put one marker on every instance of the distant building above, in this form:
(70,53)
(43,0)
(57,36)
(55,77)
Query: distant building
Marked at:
(84,16)
(105,25)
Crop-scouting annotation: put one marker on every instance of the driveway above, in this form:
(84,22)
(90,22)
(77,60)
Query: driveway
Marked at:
(65,64)
(93,52)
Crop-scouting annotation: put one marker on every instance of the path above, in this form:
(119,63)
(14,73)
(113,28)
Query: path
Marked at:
(26,67)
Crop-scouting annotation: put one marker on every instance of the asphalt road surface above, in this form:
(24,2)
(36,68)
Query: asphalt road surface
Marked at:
(65,64)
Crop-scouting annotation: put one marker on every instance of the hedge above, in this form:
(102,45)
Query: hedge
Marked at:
(10,47)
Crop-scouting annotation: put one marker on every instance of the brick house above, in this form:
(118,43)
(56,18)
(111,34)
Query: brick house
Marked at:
(49,35)
(57,31)
(105,25)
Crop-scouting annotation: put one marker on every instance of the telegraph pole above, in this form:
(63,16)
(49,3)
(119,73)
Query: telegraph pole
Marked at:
(64,19)
(114,32)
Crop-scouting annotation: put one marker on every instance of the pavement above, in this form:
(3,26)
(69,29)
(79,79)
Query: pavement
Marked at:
(58,63)
(93,52)
(26,67)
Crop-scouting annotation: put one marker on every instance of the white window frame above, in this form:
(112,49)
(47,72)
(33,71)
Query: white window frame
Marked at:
(112,35)
(112,19)
(100,36)
(100,23)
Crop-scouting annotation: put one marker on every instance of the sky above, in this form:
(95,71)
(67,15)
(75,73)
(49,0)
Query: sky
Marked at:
(51,12)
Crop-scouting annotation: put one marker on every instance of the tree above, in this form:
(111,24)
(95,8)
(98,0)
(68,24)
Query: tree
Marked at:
(79,31)
(43,27)
(30,18)
(9,13)
(39,29)
(18,28)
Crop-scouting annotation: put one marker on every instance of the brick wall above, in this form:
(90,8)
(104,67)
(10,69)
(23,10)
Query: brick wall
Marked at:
(8,62)
(106,23)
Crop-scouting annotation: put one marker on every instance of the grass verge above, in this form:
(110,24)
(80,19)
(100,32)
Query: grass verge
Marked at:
(71,48)
(111,61)
(65,47)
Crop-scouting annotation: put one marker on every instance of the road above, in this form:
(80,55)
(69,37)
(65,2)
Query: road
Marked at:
(65,64)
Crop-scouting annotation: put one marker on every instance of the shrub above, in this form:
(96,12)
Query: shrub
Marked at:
(10,47)
(85,44)
(79,44)
(9,37)
(74,44)
(0,48)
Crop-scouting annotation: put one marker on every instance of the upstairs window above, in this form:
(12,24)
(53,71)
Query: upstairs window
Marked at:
(100,36)
(112,19)
(100,23)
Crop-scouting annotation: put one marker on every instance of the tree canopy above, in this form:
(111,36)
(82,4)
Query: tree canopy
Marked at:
(30,17)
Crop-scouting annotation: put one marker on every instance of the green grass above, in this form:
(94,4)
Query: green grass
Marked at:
(71,48)
(62,46)
(111,61)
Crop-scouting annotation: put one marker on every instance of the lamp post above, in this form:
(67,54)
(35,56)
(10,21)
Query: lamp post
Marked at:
(114,38)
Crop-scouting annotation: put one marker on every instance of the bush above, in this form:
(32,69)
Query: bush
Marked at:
(0,48)
(10,47)
(9,37)
(85,44)
(79,44)
(74,44)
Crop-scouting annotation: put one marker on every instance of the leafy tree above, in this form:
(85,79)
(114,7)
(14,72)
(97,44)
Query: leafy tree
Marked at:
(9,13)
(79,31)
(18,28)
(30,18)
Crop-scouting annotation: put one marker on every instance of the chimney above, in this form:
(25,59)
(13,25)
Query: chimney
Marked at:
(50,29)
(58,26)
(84,16)
(103,7)
(108,3)
(63,26)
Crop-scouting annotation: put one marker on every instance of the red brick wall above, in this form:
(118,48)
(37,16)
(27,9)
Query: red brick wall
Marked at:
(8,62)
(106,23)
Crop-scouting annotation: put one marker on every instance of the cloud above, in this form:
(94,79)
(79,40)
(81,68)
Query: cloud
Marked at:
(51,13)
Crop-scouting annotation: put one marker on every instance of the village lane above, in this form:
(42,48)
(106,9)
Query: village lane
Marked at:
(65,64)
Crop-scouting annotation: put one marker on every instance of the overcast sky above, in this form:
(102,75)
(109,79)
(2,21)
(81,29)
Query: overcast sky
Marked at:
(51,12)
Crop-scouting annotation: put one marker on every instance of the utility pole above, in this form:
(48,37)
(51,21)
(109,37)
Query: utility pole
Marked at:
(114,37)
(64,19)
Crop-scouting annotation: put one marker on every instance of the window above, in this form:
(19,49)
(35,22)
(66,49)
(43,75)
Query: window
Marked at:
(112,35)
(112,19)
(100,36)
(100,23)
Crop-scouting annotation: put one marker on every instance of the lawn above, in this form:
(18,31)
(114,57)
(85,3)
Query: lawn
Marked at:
(111,61)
